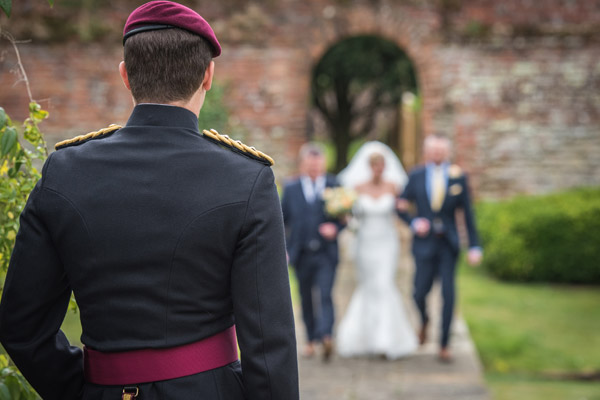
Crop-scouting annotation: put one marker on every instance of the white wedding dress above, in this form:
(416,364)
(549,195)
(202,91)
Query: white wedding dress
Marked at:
(376,322)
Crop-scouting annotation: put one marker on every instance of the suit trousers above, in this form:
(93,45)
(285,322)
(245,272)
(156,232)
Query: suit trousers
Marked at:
(316,273)
(441,262)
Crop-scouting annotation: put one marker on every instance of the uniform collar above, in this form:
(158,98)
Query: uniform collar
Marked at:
(162,115)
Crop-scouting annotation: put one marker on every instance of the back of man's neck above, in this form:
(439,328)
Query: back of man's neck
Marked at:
(191,105)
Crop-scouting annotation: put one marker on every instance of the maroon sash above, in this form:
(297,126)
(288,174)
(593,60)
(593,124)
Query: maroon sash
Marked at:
(151,365)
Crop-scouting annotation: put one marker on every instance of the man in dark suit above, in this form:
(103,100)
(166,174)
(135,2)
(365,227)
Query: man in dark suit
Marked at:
(438,189)
(312,245)
(166,237)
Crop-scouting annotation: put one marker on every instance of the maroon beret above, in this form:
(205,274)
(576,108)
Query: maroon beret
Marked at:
(163,14)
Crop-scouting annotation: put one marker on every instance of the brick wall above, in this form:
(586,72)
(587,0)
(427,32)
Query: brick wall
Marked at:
(514,83)
(526,120)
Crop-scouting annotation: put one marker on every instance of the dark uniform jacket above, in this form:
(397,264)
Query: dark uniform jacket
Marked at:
(456,196)
(165,238)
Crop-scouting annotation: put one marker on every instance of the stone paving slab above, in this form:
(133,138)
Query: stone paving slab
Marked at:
(417,377)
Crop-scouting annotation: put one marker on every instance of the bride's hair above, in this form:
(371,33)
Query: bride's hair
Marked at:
(359,170)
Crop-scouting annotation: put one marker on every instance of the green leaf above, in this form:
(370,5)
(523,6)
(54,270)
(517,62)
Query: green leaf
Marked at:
(6,6)
(27,392)
(51,2)
(3,118)
(17,166)
(40,114)
(8,141)
(4,392)
(14,386)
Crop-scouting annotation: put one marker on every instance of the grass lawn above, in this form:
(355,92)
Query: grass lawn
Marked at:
(526,334)
(294,286)
(514,387)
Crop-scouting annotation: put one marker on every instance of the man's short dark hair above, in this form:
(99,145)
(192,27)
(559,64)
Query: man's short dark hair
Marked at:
(311,149)
(166,65)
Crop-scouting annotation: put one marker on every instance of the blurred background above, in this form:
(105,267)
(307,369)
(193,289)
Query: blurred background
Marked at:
(515,84)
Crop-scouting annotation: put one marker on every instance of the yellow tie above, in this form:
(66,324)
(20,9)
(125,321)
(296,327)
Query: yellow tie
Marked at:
(438,189)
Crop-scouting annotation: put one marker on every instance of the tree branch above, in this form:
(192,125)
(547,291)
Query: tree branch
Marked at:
(23,74)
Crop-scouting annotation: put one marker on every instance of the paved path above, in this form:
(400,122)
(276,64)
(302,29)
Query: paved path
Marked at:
(418,377)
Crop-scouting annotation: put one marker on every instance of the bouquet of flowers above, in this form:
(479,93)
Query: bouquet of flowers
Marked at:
(338,201)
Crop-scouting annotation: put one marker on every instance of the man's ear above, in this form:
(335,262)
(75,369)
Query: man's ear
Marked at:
(124,77)
(208,76)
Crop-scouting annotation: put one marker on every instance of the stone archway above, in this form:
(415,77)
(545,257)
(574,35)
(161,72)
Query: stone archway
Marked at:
(414,36)
(365,88)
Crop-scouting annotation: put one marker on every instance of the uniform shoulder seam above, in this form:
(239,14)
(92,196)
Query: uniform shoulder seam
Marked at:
(77,140)
(238,147)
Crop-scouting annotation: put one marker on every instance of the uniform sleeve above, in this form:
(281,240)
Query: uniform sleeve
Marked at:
(261,299)
(285,205)
(469,217)
(34,302)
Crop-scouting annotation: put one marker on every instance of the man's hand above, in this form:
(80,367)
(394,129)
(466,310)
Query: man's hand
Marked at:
(328,230)
(474,257)
(421,226)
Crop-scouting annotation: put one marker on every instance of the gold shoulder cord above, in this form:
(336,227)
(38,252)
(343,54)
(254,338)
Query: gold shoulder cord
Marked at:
(83,138)
(226,140)
(212,134)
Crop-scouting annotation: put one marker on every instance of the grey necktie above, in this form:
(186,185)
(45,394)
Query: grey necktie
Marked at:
(314,189)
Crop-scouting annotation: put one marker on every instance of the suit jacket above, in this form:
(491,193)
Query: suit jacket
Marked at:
(165,238)
(456,196)
(300,229)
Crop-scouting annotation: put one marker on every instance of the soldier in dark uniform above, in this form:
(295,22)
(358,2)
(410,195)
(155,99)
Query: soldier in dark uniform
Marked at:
(168,238)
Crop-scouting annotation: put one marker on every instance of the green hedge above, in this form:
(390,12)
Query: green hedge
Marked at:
(553,238)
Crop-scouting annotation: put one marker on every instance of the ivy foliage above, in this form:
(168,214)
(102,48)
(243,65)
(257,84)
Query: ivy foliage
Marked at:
(20,155)
(22,150)
(13,386)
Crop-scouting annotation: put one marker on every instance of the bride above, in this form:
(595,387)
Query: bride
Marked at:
(376,322)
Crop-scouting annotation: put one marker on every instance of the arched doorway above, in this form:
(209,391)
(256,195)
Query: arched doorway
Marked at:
(365,88)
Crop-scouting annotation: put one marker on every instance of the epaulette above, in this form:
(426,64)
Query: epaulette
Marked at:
(102,133)
(454,171)
(238,147)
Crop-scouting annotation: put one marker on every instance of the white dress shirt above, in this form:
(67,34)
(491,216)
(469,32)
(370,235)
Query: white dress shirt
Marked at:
(312,191)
